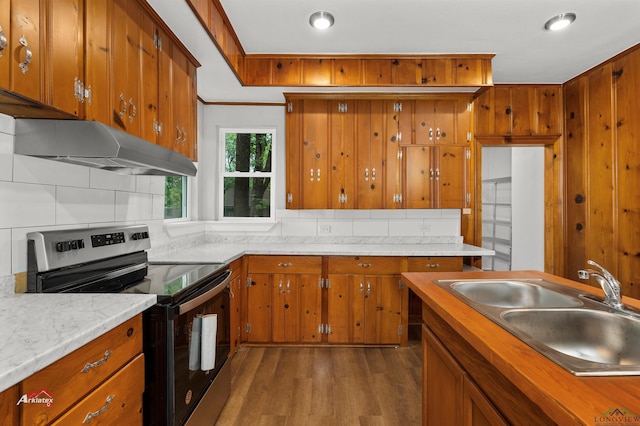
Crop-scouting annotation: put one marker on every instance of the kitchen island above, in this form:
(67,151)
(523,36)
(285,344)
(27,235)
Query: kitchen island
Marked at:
(483,372)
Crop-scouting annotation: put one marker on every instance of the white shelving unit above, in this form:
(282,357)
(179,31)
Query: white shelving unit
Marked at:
(496,223)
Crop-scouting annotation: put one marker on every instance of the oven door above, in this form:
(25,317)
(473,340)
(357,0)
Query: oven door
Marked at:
(175,383)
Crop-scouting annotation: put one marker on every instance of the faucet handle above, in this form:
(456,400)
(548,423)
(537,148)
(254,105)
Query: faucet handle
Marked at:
(606,273)
(583,275)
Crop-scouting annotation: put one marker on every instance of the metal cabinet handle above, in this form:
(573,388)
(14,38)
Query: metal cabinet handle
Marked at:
(24,65)
(88,366)
(133,110)
(123,106)
(365,265)
(366,174)
(288,286)
(184,136)
(361,287)
(3,41)
(368,288)
(285,265)
(373,174)
(318,175)
(280,291)
(311,175)
(430,133)
(438,133)
(104,408)
(433,265)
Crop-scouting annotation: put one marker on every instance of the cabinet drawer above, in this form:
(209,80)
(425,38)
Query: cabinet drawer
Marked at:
(117,401)
(364,265)
(285,264)
(434,264)
(74,376)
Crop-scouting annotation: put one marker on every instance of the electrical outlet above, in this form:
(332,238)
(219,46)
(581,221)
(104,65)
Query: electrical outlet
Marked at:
(325,229)
(426,228)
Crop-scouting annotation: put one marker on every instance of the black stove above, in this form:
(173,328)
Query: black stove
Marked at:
(186,335)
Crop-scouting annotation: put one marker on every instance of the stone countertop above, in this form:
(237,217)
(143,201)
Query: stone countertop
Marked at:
(225,252)
(39,329)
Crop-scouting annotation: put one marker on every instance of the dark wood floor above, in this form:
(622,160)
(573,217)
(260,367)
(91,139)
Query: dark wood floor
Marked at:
(325,386)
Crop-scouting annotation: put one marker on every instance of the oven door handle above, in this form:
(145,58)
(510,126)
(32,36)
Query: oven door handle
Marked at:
(188,305)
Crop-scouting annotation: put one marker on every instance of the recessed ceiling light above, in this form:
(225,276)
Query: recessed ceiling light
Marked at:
(321,20)
(560,21)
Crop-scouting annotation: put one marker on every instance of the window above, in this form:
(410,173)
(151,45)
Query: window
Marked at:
(247,178)
(175,197)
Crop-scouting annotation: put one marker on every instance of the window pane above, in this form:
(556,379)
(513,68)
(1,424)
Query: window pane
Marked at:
(248,152)
(175,197)
(247,197)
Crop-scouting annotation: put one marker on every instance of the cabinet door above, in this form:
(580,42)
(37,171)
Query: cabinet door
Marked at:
(285,308)
(235,287)
(259,308)
(9,411)
(398,128)
(478,410)
(435,122)
(376,309)
(24,49)
(148,109)
(126,66)
(421,175)
(98,61)
(64,56)
(442,384)
(294,147)
(370,153)
(182,101)
(166,134)
(309,308)
(339,304)
(5,34)
(315,137)
(451,176)
(342,163)
(388,308)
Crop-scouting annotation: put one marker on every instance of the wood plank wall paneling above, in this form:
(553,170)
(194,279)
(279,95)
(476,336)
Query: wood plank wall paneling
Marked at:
(602,125)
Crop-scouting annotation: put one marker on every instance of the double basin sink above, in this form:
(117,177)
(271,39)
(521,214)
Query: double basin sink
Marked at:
(574,329)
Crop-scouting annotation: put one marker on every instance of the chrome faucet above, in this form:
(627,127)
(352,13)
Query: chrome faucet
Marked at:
(607,281)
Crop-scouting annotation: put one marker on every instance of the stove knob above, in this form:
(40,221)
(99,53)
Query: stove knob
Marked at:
(135,236)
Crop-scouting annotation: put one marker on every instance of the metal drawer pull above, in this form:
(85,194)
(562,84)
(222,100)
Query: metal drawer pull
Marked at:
(104,408)
(123,106)
(365,265)
(88,366)
(27,57)
(433,265)
(285,265)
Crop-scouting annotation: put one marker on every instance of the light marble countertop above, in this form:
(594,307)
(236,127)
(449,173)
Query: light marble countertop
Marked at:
(225,252)
(39,329)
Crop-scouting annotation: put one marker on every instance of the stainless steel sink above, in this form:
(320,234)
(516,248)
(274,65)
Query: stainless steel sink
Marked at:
(594,336)
(514,294)
(566,325)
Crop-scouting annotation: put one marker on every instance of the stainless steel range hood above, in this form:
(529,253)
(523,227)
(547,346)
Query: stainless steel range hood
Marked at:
(93,144)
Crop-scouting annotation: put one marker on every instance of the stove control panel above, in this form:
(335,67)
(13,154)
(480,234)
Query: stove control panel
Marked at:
(100,240)
(69,245)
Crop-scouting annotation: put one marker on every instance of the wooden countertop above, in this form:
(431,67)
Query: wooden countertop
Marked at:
(565,398)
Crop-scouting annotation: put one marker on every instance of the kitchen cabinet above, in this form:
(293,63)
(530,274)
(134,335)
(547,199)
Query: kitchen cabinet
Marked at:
(315,154)
(8,408)
(97,84)
(103,379)
(294,153)
(370,154)
(449,396)
(283,299)
(436,176)
(23,50)
(365,300)
(342,168)
(444,121)
(519,111)
(148,77)
(64,60)
(398,125)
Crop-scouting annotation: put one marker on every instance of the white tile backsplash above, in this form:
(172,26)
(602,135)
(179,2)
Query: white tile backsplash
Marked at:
(7,124)
(133,206)
(158,207)
(104,179)
(23,204)
(5,252)
(6,156)
(300,227)
(370,228)
(150,184)
(81,205)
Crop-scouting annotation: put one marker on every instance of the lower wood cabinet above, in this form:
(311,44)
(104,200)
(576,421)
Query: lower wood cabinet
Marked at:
(8,408)
(235,289)
(449,396)
(103,380)
(283,299)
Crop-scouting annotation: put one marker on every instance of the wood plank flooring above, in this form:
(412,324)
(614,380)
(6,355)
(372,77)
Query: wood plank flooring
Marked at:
(325,386)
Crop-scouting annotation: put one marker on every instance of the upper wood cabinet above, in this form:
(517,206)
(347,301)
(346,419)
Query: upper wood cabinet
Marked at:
(23,48)
(98,60)
(519,111)
(371,153)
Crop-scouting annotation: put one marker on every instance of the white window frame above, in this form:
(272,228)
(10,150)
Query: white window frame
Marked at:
(186,204)
(272,175)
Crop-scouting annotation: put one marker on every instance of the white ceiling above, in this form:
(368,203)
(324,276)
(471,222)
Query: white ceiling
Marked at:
(510,29)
